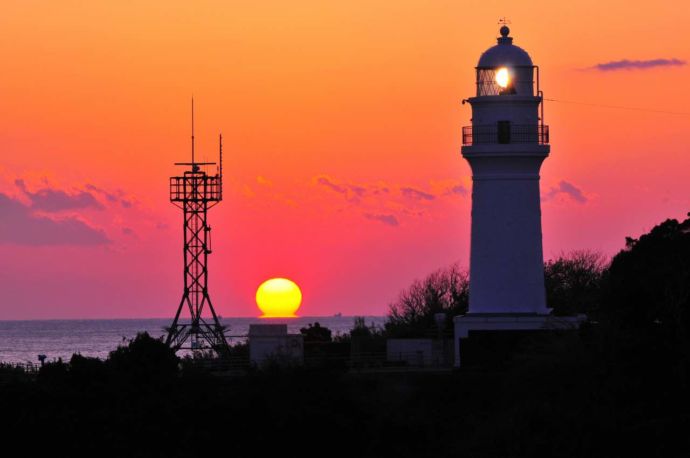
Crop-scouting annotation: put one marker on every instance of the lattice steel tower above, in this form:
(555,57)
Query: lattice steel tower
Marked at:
(195,192)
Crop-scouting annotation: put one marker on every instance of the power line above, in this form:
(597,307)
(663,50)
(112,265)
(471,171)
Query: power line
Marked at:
(618,107)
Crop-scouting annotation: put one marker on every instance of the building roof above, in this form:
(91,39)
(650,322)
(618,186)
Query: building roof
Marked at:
(505,53)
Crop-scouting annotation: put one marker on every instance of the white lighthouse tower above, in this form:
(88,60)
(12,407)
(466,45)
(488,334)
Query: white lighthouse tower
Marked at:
(505,147)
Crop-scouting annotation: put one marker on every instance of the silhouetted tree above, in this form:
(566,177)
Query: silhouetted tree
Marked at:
(443,291)
(316,333)
(648,283)
(573,282)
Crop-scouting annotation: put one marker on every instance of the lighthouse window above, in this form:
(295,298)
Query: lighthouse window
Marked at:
(503,131)
(504,80)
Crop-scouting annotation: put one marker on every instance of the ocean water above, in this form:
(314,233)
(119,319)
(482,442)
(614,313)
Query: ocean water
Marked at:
(23,341)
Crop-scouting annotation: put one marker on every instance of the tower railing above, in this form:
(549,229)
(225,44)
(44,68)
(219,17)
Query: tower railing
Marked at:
(196,186)
(505,134)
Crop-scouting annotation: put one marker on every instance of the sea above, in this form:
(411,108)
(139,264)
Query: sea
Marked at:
(22,341)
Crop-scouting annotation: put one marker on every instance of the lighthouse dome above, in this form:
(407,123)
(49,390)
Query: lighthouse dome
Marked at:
(505,69)
(505,54)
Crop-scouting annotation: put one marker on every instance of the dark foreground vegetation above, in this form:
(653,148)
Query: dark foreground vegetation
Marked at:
(618,387)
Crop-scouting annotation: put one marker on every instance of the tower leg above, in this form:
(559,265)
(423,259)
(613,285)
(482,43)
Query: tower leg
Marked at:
(198,333)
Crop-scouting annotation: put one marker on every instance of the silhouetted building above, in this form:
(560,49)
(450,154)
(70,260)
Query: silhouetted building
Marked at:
(271,343)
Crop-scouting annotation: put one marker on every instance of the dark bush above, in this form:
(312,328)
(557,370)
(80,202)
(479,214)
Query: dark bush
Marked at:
(144,359)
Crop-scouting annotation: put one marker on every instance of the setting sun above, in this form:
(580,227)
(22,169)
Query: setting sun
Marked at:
(278,298)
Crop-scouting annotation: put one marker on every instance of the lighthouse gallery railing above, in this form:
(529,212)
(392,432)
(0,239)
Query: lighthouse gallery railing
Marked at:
(505,134)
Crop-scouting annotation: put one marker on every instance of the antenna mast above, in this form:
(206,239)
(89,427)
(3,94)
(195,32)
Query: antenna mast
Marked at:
(193,130)
(195,192)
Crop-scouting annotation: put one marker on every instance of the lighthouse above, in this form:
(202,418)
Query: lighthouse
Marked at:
(505,146)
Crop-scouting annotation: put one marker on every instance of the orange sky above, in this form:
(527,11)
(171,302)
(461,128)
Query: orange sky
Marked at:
(312,97)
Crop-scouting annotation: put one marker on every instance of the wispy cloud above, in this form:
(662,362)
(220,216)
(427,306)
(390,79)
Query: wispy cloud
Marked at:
(360,191)
(387,219)
(352,191)
(413,193)
(328,183)
(627,64)
(568,189)
(113,197)
(459,190)
(355,192)
(55,200)
(389,203)
(20,226)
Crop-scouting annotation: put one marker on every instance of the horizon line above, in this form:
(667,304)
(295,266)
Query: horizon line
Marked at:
(169,318)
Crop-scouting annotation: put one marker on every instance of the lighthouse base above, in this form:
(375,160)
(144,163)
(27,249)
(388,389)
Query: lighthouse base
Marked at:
(480,337)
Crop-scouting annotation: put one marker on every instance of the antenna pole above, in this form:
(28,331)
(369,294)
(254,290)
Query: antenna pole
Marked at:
(220,150)
(193,130)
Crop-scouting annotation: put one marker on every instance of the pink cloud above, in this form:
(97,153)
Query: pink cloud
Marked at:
(56,200)
(20,226)
(413,193)
(390,220)
(567,189)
